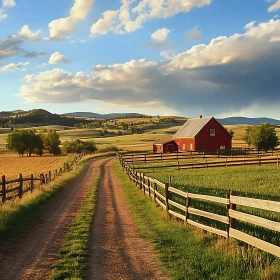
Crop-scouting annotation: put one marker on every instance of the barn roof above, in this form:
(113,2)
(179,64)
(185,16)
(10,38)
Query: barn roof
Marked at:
(164,141)
(191,127)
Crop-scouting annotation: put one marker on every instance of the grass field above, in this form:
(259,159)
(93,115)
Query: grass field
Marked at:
(11,165)
(190,253)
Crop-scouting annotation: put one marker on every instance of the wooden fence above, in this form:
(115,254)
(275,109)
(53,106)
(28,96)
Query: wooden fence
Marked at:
(162,194)
(157,157)
(8,191)
(225,162)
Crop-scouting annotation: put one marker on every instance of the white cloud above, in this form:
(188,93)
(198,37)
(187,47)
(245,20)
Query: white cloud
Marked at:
(58,58)
(228,74)
(129,17)
(275,7)
(26,34)
(60,28)
(193,34)
(3,15)
(250,25)
(13,66)
(160,35)
(8,3)
(78,41)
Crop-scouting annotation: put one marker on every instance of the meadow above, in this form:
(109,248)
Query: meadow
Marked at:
(11,165)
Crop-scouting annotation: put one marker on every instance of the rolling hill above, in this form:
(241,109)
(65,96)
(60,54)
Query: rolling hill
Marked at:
(249,121)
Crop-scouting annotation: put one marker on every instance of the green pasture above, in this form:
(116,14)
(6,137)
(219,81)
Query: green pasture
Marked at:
(261,182)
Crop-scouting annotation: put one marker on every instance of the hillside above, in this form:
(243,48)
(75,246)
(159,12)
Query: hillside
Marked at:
(102,116)
(36,117)
(249,121)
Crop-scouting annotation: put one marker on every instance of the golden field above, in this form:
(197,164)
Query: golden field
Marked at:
(12,165)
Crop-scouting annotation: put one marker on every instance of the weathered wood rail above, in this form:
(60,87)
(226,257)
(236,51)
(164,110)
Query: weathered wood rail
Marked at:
(9,192)
(162,194)
(159,157)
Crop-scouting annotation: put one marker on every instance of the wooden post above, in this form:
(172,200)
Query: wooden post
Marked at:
(188,204)
(31,182)
(232,221)
(3,188)
(149,186)
(155,189)
(161,156)
(177,155)
(50,175)
(206,163)
(260,161)
(277,160)
(226,161)
(167,196)
(203,153)
(178,165)
(132,158)
(170,180)
(227,209)
(20,190)
(145,158)
(218,153)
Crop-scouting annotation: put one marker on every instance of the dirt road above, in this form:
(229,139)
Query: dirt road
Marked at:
(32,256)
(116,250)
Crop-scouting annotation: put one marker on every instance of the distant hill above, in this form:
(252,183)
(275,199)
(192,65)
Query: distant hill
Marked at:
(102,116)
(37,117)
(249,121)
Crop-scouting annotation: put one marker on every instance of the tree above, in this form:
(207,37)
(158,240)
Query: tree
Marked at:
(52,142)
(79,146)
(25,141)
(262,137)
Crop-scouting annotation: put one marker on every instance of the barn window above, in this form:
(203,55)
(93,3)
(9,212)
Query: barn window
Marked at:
(212,132)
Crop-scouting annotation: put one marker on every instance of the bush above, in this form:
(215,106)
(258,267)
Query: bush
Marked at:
(111,148)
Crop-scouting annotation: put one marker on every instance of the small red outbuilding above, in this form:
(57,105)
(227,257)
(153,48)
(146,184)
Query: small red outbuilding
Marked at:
(165,146)
(197,134)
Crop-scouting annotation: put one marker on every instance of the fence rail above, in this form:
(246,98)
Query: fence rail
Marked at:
(156,157)
(8,191)
(162,194)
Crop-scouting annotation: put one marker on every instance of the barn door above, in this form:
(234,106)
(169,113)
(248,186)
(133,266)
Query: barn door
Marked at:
(169,148)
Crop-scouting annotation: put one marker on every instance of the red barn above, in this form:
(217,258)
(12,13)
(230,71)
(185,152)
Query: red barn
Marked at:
(196,135)
(202,134)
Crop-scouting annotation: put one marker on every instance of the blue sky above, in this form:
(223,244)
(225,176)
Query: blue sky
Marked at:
(172,57)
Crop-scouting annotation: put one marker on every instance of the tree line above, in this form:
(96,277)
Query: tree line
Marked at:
(29,142)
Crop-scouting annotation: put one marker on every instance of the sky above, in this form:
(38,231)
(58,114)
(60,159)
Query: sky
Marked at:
(159,57)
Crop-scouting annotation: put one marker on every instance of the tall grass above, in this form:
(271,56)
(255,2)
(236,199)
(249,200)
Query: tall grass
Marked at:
(189,253)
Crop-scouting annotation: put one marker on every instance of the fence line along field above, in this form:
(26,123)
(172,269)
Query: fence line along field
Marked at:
(12,166)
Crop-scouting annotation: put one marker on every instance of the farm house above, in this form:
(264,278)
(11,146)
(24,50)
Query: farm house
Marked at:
(199,134)
(165,146)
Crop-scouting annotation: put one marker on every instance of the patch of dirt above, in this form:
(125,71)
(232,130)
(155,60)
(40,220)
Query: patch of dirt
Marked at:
(116,249)
(36,250)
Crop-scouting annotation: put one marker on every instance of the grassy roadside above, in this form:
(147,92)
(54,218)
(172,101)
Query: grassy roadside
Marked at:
(72,256)
(189,253)
(17,214)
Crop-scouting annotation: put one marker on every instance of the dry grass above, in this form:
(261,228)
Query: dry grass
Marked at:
(12,165)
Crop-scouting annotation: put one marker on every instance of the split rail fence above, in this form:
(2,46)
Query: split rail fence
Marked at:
(178,161)
(162,193)
(9,192)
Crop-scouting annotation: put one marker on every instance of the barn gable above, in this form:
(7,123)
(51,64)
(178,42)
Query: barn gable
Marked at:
(191,128)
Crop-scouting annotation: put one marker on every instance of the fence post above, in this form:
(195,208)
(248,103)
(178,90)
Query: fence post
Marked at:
(232,221)
(161,156)
(3,188)
(226,161)
(260,160)
(167,196)
(20,190)
(203,153)
(155,189)
(188,203)
(227,211)
(218,153)
(145,158)
(50,175)
(178,165)
(31,182)
(277,161)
